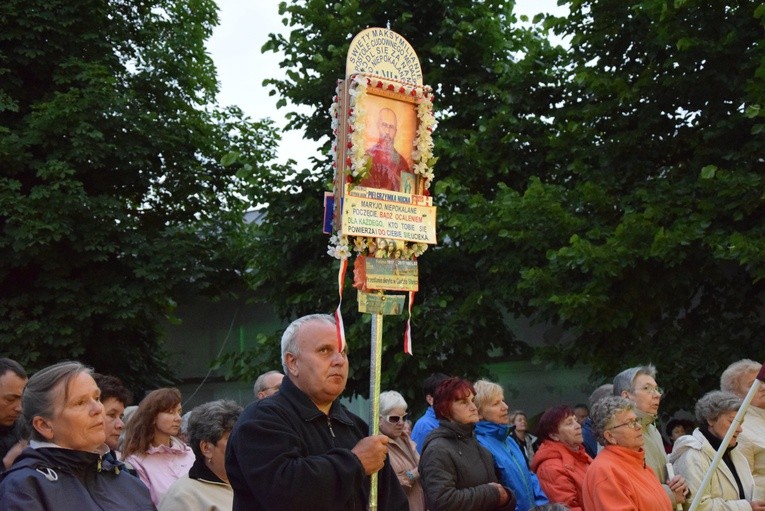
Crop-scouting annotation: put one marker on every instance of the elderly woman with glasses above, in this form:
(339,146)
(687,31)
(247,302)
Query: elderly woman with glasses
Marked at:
(401,449)
(457,472)
(732,486)
(638,384)
(618,478)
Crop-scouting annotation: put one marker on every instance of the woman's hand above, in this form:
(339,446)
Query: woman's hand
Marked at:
(679,487)
(504,496)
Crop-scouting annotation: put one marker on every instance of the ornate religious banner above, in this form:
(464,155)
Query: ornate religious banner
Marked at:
(382,120)
(381,209)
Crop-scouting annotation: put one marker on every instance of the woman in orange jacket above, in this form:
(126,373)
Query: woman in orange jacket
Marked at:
(618,478)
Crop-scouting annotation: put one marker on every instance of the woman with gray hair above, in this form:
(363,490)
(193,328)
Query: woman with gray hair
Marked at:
(65,467)
(401,449)
(731,487)
(638,384)
(206,486)
(618,478)
(738,379)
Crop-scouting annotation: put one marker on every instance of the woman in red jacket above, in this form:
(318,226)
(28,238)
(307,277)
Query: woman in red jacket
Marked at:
(561,462)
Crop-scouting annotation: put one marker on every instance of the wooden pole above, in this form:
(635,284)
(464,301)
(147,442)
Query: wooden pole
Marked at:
(375,361)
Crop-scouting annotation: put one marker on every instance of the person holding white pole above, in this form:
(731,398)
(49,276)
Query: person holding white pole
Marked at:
(731,487)
(738,379)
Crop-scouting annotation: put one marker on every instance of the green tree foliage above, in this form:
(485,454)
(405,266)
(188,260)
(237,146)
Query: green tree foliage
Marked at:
(654,192)
(113,199)
(614,189)
(466,50)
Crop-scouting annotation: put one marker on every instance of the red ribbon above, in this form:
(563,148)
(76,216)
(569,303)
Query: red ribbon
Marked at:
(340,329)
(408,331)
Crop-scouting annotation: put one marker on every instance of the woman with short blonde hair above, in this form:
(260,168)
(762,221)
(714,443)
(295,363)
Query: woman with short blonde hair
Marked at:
(492,431)
(738,379)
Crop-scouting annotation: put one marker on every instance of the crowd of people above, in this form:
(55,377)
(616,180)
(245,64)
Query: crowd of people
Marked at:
(66,443)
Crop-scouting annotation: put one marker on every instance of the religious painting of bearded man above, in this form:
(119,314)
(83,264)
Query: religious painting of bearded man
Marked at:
(389,132)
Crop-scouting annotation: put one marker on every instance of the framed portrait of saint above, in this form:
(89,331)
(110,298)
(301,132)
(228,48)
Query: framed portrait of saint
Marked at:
(390,128)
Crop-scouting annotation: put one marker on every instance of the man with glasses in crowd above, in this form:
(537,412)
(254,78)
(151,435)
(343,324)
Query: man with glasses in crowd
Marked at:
(638,384)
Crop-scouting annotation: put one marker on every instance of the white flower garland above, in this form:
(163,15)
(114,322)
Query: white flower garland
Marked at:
(359,164)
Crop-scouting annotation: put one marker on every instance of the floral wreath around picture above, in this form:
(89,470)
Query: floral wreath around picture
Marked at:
(359,163)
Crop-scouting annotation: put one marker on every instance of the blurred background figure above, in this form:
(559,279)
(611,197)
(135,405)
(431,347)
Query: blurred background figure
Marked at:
(493,432)
(183,434)
(581,412)
(526,441)
(64,467)
(408,429)
(732,485)
(676,428)
(590,441)
(129,411)
(457,472)
(428,421)
(618,477)
(401,450)
(13,432)
(738,379)
(115,397)
(267,384)
(151,445)
(206,486)
(561,461)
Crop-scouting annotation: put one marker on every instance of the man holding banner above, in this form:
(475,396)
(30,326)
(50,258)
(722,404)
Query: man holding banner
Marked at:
(301,449)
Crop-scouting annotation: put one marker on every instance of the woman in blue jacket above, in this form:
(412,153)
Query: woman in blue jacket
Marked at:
(66,466)
(492,431)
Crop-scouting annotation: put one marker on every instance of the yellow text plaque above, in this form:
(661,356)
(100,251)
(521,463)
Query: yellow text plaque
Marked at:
(391,274)
(387,305)
(375,218)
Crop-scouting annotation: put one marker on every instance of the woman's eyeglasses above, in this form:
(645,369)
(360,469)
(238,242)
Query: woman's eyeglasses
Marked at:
(633,424)
(648,389)
(395,419)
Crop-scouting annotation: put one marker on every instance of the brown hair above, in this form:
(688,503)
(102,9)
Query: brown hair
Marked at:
(140,429)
